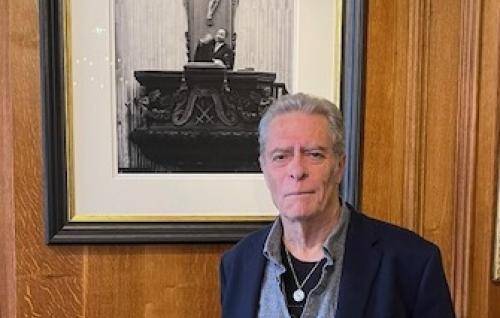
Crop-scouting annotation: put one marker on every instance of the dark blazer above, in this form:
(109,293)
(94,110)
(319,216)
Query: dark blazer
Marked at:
(204,51)
(226,55)
(387,272)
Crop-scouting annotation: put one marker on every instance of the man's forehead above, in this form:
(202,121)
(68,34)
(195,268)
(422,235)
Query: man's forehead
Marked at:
(298,125)
(296,119)
(297,129)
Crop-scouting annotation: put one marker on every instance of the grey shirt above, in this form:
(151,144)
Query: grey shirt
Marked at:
(322,300)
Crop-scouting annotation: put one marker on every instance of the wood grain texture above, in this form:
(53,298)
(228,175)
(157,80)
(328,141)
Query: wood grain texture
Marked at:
(7,243)
(381,168)
(413,96)
(484,295)
(429,135)
(48,278)
(466,155)
(439,127)
(152,281)
(407,98)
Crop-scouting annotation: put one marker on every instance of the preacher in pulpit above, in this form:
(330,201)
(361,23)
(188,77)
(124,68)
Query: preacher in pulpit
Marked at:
(215,49)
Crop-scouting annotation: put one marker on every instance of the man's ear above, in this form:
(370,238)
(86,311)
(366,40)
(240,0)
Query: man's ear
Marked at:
(339,170)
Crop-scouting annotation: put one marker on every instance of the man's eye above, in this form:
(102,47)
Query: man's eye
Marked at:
(278,157)
(316,155)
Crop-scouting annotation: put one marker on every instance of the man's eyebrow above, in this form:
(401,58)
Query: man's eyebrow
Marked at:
(315,147)
(302,149)
(280,149)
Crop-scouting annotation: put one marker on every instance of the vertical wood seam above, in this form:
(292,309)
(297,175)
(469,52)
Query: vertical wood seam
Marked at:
(412,121)
(496,188)
(466,156)
(415,111)
(7,211)
(423,115)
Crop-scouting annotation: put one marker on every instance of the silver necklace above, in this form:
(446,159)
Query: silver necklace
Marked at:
(298,294)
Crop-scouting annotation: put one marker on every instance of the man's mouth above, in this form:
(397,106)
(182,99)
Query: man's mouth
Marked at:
(298,193)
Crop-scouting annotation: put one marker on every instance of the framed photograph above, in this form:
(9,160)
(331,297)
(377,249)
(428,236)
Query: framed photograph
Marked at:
(151,107)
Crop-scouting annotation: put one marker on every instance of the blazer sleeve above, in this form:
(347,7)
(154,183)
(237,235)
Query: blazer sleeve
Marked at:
(222,280)
(433,297)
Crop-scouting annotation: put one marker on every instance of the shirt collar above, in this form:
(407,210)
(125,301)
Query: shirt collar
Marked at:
(332,245)
(218,45)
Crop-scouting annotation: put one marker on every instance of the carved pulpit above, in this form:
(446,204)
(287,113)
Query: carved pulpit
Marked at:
(203,118)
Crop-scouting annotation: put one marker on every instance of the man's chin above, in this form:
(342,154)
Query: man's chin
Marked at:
(298,215)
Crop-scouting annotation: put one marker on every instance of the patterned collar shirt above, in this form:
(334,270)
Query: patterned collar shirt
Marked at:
(322,299)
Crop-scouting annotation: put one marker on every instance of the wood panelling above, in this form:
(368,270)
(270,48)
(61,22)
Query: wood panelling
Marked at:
(430,144)
(411,57)
(152,281)
(48,279)
(430,130)
(383,170)
(410,116)
(412,95)
(484,296)
(7,242)
(466,141)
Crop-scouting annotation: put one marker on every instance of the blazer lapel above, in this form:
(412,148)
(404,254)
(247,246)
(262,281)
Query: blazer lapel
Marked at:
(254,281)
(361,263)
(217,49)
(250,280)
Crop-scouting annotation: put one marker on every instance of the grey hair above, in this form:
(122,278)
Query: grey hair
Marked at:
(306,104)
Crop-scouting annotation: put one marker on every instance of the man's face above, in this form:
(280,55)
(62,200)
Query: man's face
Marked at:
(220,36)
(300,168)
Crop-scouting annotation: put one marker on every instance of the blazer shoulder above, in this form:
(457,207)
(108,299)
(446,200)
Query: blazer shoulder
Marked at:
(250,244)
(395,238)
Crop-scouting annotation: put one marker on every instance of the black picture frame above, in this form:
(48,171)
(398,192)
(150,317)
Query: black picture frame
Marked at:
(58,227)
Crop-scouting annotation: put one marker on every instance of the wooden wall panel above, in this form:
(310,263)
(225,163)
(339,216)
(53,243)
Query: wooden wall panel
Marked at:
(410,116)
(382,170)
(430,130)
(484,296)
(152,281)
(466,157)
(438,130)
(45,276)
(7,242)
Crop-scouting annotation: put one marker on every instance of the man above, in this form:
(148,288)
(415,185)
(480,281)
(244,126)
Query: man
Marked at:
(223,54)
(321,258)
(215,50)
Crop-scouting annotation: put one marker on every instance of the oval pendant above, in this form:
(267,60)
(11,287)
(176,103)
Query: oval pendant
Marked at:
(298,295)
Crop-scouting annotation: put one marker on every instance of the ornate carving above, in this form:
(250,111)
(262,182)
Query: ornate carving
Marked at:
(233,42)
(250,105)
(186,106)
(212,7)
(209,109)
(204,101)
(188,45)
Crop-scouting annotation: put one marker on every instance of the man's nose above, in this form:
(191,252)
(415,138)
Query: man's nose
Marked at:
(297,168)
